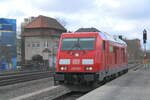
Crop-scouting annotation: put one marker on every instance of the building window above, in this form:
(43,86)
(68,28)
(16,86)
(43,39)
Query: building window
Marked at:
(46,44)
(36,44)
(33,44)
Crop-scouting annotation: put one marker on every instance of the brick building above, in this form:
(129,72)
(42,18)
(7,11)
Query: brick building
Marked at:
(40,38)
(134,49)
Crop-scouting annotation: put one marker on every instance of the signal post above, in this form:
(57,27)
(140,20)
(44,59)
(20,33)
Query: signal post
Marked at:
(145,60)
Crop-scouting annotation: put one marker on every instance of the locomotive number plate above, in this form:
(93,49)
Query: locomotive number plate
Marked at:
(76,61)
(76,68)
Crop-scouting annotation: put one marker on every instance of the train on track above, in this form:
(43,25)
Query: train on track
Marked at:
(88,57)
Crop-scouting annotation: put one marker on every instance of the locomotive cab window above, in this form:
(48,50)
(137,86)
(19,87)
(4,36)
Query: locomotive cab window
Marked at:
(78,44)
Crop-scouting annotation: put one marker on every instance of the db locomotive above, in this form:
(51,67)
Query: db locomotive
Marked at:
(89,57)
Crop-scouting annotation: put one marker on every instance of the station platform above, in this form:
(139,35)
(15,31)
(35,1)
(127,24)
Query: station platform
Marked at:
(135,85)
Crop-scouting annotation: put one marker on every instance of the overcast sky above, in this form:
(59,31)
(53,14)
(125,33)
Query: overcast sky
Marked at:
(125,17)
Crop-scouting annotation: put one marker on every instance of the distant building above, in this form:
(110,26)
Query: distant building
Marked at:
(8,41)
(40,38)
(87,30)
(134,49)
(22,47)
(26,21)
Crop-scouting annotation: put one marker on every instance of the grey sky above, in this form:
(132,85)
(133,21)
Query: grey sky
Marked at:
(65,6)
(126,17)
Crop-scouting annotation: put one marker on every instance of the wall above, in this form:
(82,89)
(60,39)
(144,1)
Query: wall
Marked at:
(32,49)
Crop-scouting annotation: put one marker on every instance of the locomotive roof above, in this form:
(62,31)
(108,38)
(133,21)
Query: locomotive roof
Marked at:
(115,39)
(103,35)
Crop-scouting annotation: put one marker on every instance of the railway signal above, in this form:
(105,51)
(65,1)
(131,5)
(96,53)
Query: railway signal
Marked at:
(144,42)
(144,39)
(144,36)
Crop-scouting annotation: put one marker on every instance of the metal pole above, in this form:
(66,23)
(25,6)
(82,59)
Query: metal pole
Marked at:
(53,57)
(144,41)
(145,49)
(145,56)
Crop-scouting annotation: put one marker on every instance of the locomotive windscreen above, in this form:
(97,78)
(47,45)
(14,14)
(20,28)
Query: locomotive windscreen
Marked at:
(78,44)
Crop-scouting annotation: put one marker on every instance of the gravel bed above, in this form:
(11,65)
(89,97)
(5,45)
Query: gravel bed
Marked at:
(7,92)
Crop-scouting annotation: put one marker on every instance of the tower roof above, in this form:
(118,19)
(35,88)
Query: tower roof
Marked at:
(45,22)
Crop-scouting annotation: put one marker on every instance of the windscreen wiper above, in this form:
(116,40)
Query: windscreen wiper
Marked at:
(75,45)
(81,48)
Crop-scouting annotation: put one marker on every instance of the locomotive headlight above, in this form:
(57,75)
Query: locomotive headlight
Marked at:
(87,61)
(76,54)
(88,68)
(64,61)
(63,68)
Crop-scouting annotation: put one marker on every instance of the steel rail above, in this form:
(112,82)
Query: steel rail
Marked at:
(17,72)
(23,77)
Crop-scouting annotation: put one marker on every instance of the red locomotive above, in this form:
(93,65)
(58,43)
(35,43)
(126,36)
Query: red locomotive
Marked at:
(89,57)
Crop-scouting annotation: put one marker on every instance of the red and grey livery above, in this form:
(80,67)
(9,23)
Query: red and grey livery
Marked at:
(89,57)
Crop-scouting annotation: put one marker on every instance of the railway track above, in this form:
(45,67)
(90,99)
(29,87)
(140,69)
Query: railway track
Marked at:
(71,96)
(74,95)
(59,92)
(134,66)
(16,72)
(13,78)
(137,67)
